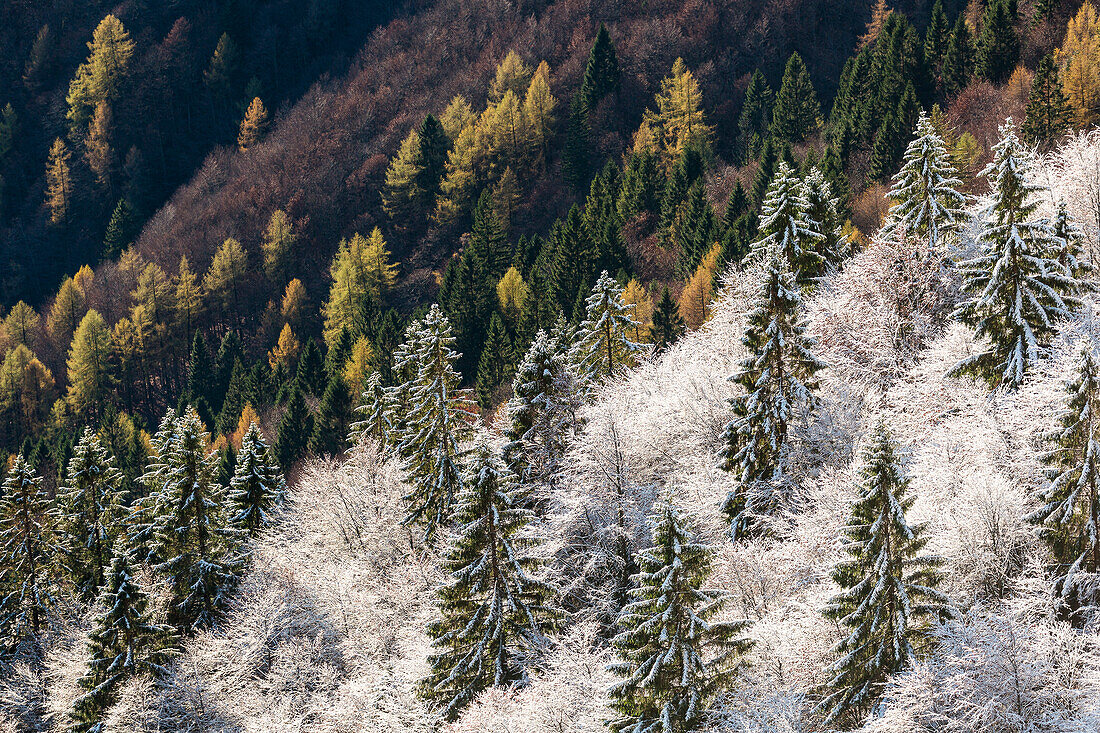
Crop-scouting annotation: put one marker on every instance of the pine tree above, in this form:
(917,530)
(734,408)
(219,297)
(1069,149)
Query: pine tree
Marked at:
(998,45)
(668,324)
(125,642)
(1069,505)
(785,227)
(958,59)
(796,108)
(439,420)
(257,485)
(676,656)
(27,537)
(603,345)
(89,513)
(494,606)
(888,589)
(295,428)
(1017,289)
(1048,111)
(601,72)
(59,184)
(927,202)
(99,78)
(778,379)
(756,116)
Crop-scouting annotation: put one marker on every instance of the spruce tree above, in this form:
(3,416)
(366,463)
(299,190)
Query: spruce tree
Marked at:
(493,365)
(1017,289)
(601,72)
(257,485)
(27,545)
(603,345)
(888,589)
(777,379)
(676,656)
(822,209)
(330,425)
(765,171)
(756,116)
(89,513)
(432,159)
(927,202)
(311,369)
(148,511)
(1071,244)
(575,157)
(936,35)
(796,111)
(120,230)
(375,411)
(958,59)
(124,643)
(998,45)
(1048,111)
(439,421)
(494,606)
(1069,503)
(295,429)
(785,227)
(668,324)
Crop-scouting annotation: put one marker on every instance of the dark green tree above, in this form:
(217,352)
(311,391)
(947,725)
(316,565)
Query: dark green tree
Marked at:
(489,240)
(431,159)
(27,549)
(668,324)
(796,111)
(121,230)
(601,73)
(493,365)
(998,45)
(1048,111)
(330,426)
(257,485)
(577,154)
(936,35)
(958,59)
(295,429)
(769,155)
(756,116)
(311,369)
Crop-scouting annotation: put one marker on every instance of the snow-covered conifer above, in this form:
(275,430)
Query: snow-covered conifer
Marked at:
(1018,291)
(888,589)
(1071,244)
(89,511)
(785,226)
(194,545)
(494,611)
(1069,505)
(375,411)
(541,412)
(778,378)
(257,484)
(602,346)
(439,421)
(925,196)
(125,642)
(675,655)
(821,208)
(26,563)
(146,511)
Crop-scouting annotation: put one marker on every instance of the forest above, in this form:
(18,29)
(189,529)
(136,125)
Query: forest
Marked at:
(556,365)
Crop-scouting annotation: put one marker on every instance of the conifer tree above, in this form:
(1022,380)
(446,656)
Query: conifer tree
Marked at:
(27,537)
(640,185)
(1079,59)
(1017,289)
(603,345)
(401,194)
(676,656)
(295,428)
(98,153)
(1048,112)
(362,275)
(99,78)
(756,116)
(765,171)
(439,420)
(310,375)
(59,184)
(253,126)
(125,642)
(778,379)
(257,485)
(488,239)
(148,511)
(680,117)
(888,589)
(998,45)
(538,111)
(431,159)
(886,149)
(330,425)
(668,324)
(88,366)
(936,34)
(822,208)
(494,606)
(219,73)
(89,513)
(120,230)
(927,202)
(1071,244)
(493,365)
(796,107)
(278,243)
(601,72)
(225,277)
(785,227)
(21,325)
(958,59)
(375,411)
(576,154)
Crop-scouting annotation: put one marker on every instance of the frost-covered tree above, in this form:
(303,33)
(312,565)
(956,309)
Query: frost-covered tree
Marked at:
(89,513)
(494,611)
(439,419)
(193,543)
(786,227)
(257,484)
(145,512)
(778,379)
(1069,505)
(542,411)
(926,201)
(675,655)
(888,588)
(374,407)
(822,207)
(26,563)
(1017,289)
(124,643)
(602,345)
(1071,244)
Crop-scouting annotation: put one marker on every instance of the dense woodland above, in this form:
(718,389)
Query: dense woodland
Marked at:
(571,365)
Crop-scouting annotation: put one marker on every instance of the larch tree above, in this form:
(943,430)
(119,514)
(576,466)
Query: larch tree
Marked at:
(285,351)
(21,325)
(66,312)
(59,183)
(361,272)
(1048,112)
(224,279)
(698,292)
(603,346)
(439,421)
(796,111)
(26,391)
(98,153)
(1068,512)
(277,245)
(401,192)
(786,227)
(888,594)
(124,642)
(513,74)
(538,110)
(1017,291)
(926,199)
(188,298)
(99,78)
(494,605)
(89,366)
(680,117)
(512,295)
(1079,59)
(676,656)
(778,378)
(27,548)
(253,126)
(89,513)
(257,485)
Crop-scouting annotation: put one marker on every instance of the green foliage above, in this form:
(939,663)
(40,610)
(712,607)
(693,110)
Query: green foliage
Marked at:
(295,429)
(330,425)
(958,59)
(998,45)
(257,485)
(495,358)
(601,72)
(27,534)
(99,78)
(796,111)
(756,116)
(121,230)
(603,345)
(1048,111)
(668,324)
(311,377)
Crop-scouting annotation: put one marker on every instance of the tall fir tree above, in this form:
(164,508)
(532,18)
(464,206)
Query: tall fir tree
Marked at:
(785,227)
(1017,291)
(778,378)
(121,230)
(375,411)
(796,111)
(888,592)
(492,368)
(577,153)
(494,607)
(822,209)
(257,486)
(958,59)
(310,375)
(756,116)
(676,656)
(998,44)
(295,429)
(334,412)
(668,324)
(27,549)
(1048,111)
(603,345)
(601,72)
